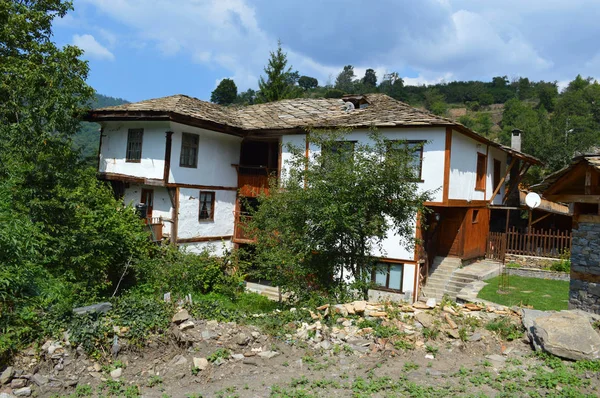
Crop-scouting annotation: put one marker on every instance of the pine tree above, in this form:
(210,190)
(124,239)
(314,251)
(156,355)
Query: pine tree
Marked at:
(280,82)
(225,93)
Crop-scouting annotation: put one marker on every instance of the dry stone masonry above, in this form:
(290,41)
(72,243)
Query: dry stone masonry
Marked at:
(585,268)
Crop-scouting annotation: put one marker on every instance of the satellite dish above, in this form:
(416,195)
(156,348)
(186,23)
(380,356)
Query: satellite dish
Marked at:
(533,200)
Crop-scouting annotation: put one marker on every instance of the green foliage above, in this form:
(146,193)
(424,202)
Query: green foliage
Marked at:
(307,82)
(219,353)
(280,82)
(225,93)
(345,80)
(505,328)
(546,294)
(309,237)
(563,264)
(370,78)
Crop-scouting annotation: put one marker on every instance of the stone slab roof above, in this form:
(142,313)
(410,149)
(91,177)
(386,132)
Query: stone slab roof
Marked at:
(591,159)
(293,114)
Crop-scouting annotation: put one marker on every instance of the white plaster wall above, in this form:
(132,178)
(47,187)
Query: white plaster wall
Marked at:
(114,149)
(463,167)
(296,141)
(394,247)
(497,154)
(215,248)
(189,226)
(216,154)
(162,203)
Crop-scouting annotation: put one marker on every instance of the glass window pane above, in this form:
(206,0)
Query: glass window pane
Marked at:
(381,275)
(395,276)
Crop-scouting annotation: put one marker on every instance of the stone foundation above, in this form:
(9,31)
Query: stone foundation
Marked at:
(530,261)
(539,273)
(584,290)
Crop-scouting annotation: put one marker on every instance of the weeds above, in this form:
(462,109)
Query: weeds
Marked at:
(505,328)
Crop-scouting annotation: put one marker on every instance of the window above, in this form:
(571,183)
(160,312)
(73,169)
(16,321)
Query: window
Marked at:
(148,200)
(343,149)
(207,206)
(481,169)
(416,150)
(134,145)
(388,276)
(189,150)
(497,171)
(475,216)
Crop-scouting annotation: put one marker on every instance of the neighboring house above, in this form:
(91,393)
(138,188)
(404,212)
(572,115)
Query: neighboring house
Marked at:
(190,161)
(579,185)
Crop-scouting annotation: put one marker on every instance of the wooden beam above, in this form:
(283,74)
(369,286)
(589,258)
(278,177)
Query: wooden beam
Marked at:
(567,178)
(591,218)
(575,198)
(512,163)
(515,184)
(167,169)
(541,218)
(198,239)
(175,217)
(585,277)
(588,181)
(447,158)
(203,187)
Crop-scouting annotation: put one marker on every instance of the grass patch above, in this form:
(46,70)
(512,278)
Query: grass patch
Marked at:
(544,294)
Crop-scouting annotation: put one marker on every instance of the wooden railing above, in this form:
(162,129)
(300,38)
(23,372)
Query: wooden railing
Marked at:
(538,242)
(535,242)
(252,180)
(155,225)
(240,229)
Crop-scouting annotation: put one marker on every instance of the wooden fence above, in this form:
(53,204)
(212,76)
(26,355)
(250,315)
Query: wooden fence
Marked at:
(535,242)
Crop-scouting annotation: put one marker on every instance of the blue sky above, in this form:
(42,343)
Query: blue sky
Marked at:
(140,49)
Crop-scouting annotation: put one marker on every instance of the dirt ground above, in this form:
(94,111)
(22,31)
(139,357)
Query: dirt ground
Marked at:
(211,359)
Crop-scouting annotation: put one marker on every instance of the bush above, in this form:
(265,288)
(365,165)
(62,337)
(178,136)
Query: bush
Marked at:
(563,264)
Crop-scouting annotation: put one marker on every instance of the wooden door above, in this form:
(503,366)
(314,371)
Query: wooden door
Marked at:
(148,200)
(450,232)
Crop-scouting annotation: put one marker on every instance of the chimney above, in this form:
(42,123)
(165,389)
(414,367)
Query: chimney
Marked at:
(515,141)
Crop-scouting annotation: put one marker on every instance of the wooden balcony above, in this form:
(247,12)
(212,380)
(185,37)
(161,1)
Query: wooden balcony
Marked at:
(240,230)
(254,180)
(155,226)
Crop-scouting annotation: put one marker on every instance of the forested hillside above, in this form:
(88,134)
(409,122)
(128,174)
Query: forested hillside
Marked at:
(88,135)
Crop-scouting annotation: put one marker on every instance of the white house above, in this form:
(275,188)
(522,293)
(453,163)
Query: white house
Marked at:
(190,161)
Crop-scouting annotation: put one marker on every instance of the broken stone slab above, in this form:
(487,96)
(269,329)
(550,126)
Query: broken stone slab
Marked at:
(116,373)
(178,360)
(340,309)
(100,308)
(39,379)
(567,335)
(5,395)
(431,302)
(453,333)
(420,306)
(22,392)
(528,317)
(425,319)
(18,383)
(268,354)
(359,306)
(186,325)
(202,363)
(7,375)
(496,358)
(450,322)
(181,316)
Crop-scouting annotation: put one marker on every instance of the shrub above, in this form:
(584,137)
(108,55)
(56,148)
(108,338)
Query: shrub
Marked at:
(505,328)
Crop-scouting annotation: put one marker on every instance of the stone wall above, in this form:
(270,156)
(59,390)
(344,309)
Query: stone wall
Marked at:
(530,261)
(539,273)
(585,268)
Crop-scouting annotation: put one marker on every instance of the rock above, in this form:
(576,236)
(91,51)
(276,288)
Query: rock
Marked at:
(268,354)
(453,333)
(40,380)
(22,392)
(181,316)
(209,335)
(237,357)
(186,325)
(429,356)
(340,309)
(18,383)
(568,335)
(425,319)
(350,308)
(450,322)
(359,307)
(255,335)
(242,339)
(202,363)
(97,367)
(473,307)
(449,310)
(5,395)
(325,344)
(528,317)
(496,358)
(100,307)
(96,375)
(116,373)
(378,314)
(431,302)
(324,306)
(475,337)
(178,360)
(420,306)
(8,374)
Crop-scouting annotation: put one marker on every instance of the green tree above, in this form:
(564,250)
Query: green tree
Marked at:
(393,85)
(307,82)
(345,80)
(247,97)
(334,211)
(370,79)
(280,82)
(225,93)
(547,92)
(435,102)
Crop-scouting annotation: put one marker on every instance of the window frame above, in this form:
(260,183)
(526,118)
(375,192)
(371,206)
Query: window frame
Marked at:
(420,148)
(196,137)
(212,206)
(386,288)
(334,149)
(129,151)
(480,179)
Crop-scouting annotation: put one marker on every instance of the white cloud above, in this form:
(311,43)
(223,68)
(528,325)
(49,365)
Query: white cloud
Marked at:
(92,48)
